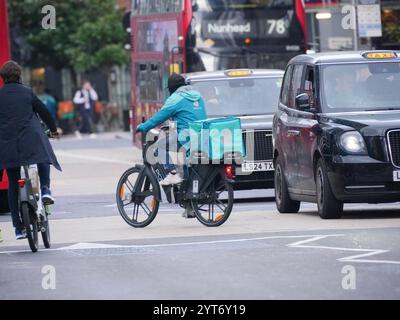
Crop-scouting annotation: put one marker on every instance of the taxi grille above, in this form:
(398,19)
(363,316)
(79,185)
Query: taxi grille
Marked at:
(258,143)
(394,141)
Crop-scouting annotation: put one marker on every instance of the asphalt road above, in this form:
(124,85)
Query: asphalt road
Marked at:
(256,254)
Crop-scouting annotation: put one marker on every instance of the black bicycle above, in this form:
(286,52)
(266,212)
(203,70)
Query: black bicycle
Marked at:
(207,191)
(34,212)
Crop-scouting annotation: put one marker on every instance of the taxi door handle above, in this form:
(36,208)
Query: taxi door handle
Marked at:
(293,133)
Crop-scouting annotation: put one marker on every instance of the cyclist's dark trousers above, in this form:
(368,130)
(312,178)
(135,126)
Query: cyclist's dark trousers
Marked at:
(14,174)
(44,174)
(87,122)
(163,149)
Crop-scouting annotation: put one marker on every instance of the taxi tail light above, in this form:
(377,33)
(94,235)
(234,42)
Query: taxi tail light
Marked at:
(230,171)
(21,183)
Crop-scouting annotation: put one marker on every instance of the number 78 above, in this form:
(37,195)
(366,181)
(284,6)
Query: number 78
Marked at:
(276,25)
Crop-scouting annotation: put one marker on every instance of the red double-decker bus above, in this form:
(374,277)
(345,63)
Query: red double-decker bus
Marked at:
(4,56)
(207,35)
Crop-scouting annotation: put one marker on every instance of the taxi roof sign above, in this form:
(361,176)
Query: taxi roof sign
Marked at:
(380,55)
(238,73)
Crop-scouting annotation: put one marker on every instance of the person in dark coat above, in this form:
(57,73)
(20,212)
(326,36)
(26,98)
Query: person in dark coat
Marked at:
(22,137)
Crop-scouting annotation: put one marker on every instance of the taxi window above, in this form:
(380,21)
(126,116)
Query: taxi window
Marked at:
(295,85)
(239,96)
(361,86)
(286,85)
(309,85)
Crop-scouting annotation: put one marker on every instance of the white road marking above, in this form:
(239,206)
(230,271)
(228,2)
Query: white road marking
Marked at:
(100,246)
(88,245)
(60,153)
(354,258)
(111,205)
(297,244)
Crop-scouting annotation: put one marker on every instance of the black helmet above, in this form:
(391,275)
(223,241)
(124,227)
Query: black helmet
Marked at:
(175,81)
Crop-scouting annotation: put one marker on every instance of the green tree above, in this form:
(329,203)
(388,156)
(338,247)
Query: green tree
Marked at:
(88,34)
(392,32)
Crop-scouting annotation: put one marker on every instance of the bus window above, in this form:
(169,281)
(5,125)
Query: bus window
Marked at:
(147,7)
(209,5)
(148,78)
(135,7)
(141,75)
(155,82)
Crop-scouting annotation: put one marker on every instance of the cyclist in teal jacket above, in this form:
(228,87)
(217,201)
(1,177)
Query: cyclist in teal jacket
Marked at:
(183,106)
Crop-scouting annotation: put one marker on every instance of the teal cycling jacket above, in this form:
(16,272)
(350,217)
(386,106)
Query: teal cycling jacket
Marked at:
(183,106)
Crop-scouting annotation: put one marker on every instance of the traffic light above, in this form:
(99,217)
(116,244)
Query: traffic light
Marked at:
(126,23)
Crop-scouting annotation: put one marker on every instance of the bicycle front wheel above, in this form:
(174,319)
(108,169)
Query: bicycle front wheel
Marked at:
(214,208)
(138,203)
(31,227)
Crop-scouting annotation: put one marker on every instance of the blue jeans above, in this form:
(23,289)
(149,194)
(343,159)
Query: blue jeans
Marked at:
(14,174)
(163,156)
(44,174)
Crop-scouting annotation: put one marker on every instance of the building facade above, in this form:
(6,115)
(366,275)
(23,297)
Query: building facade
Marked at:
(341,24)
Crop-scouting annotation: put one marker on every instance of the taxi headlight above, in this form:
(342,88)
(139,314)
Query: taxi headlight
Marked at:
(353,142)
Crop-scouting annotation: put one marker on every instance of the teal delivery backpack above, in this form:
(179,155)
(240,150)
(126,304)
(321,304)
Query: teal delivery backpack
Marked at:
(216,139)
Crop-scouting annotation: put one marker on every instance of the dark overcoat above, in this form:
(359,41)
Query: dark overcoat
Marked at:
(23,140)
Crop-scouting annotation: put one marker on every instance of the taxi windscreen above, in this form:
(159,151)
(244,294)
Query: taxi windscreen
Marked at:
(239,96)
(360,87)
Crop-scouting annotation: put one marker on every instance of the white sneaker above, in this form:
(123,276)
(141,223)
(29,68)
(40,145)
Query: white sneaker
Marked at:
(78,135)
(171,178)
(93,136)
(188,213)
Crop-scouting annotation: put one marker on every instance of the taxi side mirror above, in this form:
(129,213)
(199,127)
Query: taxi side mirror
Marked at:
(303,102)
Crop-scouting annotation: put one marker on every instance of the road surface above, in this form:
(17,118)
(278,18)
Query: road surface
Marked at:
(256,254)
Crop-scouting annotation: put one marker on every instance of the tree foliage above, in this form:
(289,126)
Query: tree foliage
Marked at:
(88,34)
(392,31)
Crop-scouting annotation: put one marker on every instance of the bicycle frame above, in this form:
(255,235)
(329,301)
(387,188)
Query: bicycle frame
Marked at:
(199,179)
(145,169)
(26,195)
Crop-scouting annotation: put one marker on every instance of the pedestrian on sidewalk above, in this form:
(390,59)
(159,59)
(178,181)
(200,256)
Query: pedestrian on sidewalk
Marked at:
(85,101)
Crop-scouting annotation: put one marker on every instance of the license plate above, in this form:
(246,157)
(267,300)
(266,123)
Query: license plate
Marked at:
(396,175)
(258,166)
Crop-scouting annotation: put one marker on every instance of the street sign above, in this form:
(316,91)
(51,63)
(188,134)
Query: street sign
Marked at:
(369,18)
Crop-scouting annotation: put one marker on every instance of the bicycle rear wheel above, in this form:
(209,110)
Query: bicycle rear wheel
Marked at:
(215,207)
(45,230)
(138,207)
(31,227)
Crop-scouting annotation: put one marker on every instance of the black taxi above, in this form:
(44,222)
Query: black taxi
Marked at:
(337,131)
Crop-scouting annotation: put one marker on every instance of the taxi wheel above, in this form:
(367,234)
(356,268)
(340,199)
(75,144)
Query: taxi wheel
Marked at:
(328,206)
(282,198)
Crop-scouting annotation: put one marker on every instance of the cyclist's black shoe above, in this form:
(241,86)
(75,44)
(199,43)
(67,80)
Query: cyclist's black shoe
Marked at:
(20,234)
(47,198)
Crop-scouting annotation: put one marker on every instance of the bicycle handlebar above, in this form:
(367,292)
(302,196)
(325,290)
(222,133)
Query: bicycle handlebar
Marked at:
(52,135)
